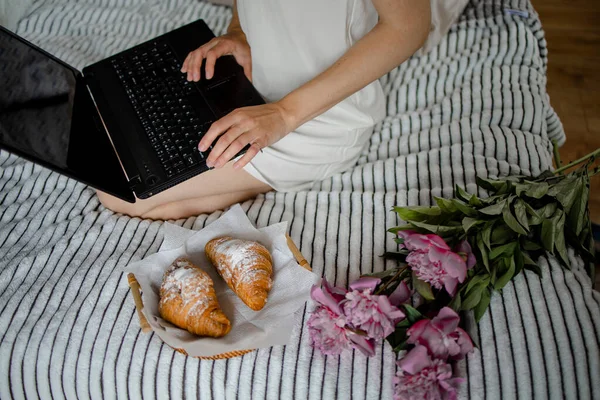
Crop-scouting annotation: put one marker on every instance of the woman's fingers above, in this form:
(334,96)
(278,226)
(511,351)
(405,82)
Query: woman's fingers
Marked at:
(229,150)
(211,59)
(229,144)
(249,155)
(211,51)
(233,44)
(194,63)
(217,128)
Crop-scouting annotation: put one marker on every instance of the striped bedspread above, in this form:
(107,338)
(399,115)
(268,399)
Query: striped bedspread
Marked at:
(476,105)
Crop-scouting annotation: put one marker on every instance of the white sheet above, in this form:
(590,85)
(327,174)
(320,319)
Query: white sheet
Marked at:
(474,105)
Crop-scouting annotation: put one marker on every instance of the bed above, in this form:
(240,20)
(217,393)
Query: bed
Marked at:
(475,105)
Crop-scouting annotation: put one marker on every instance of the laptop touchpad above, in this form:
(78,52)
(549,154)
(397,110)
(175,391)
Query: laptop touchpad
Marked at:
(232,93)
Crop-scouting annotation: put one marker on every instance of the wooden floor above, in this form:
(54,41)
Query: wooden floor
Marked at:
(572,30)
(573,33)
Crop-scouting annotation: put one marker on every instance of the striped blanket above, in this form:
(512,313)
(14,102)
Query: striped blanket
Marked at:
(475,105)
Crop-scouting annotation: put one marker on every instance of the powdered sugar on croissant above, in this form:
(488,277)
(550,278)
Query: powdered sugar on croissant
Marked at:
(246,267)
(188,300)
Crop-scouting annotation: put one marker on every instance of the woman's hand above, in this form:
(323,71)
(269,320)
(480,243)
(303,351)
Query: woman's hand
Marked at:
(232,43)
(260,126)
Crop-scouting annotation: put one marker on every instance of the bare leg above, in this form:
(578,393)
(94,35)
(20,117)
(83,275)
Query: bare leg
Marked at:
(204,193)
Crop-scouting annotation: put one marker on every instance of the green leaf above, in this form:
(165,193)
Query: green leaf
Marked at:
(488,201)
(537,190)
(521,188)
(567,198)
(534,217)
(486,234)
(456,302)
(482,306)
(489,184)
(410,214)
(559,241)
(427,210)
(422,287)
(549,231)
(531,246)
(412,314)
(484,252)
(401,346)
(475,201)
(562,182)
(535,268)
(507,276)
(519,261)
(512,222)
(502,234)
(576,218)
(564,190)
(528,260)
(477,280)
(445,205)
(404,324)
(473,298)
(405,227)
(494,209)
(548,210)
(398,338)
(521,213)
(439,229)
(493,273)
(503,251)
(468,223)
(464,208)
(546,174)
(461,194)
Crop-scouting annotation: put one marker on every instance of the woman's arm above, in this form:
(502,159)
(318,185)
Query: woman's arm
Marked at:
(402,29)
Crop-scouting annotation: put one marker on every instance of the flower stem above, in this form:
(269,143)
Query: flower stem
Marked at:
(557,160)
(392,279)
(594,153)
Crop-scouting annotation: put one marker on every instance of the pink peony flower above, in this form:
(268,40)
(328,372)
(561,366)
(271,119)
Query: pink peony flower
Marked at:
(422,378)
(327,325)
(328,296)
(464,248)
(327,331)
(362,343)
(401,294)
(371,313)
(441,335)
(432,261)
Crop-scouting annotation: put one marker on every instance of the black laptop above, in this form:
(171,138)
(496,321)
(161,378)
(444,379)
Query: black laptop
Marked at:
(128,125)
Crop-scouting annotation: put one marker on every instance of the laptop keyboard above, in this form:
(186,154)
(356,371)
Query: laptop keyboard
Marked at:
(163,100)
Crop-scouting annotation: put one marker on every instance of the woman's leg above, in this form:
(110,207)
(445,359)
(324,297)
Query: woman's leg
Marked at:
(204,193)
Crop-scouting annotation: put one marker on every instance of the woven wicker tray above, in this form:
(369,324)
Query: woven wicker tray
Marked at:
(145,326)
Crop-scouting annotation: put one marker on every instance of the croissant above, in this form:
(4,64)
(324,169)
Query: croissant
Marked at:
(246,267)
(188,300)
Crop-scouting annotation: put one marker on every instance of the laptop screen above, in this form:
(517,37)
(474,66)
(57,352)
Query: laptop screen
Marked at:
(47,116)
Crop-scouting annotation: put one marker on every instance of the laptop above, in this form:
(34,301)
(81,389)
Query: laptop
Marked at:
(128,125)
